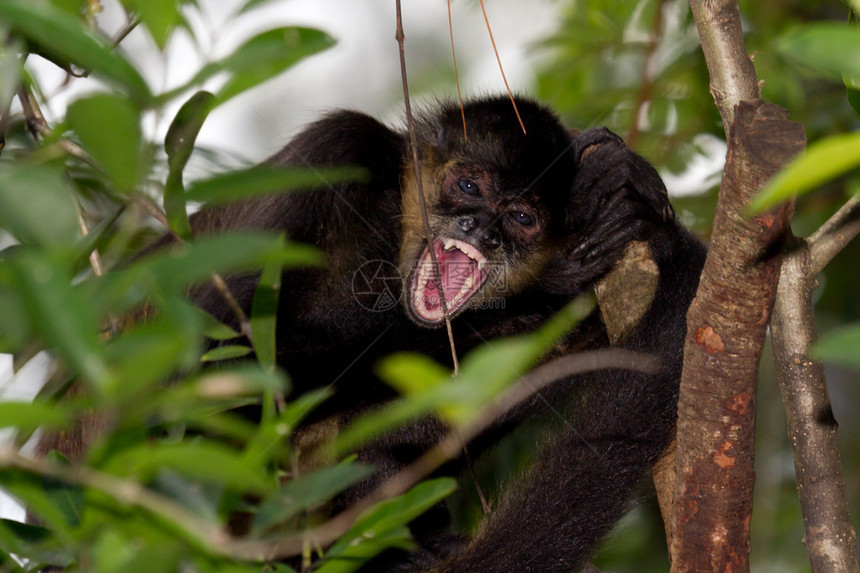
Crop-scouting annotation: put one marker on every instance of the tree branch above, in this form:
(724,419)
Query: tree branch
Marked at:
(830,538)
(832,236)
(733,78)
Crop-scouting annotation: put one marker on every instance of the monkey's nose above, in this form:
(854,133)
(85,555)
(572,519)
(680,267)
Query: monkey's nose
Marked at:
(467,224)
(491,240)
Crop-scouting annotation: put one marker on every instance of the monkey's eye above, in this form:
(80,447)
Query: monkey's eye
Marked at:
(467,187)
(522,218)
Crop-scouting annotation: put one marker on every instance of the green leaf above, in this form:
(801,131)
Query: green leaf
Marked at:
(387,516)
(840,346)
(37,205)
(264,312)
(267,180)
(159,16)
(63,38)
(66,497)
(305,492)
(263,57)
(179,144)
(61,314)
(251,4)
(33,543)
(272,433)
(832,49)
(355,556)
(411,374)
(822,161)
(226,353)
(203,460)
(173,269)
(10,73)
(215,329)
(485,373)
(30,415)
(112,552)
(164,345)
(109,128)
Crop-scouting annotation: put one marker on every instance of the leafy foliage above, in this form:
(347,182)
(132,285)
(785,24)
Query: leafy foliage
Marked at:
(174,462)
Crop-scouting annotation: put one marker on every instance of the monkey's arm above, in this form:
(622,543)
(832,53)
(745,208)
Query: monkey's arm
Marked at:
(587,471)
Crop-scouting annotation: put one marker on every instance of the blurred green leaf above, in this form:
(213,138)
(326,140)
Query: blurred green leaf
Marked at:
(63,38)
(61,314)
(215,329)
(172,269)
(37,205)
(263,57)
(410,373)
(38,497)
(109,128)
(305,492)
(353,557)
(840,346)
(200,459)
(112,552)
(242,380)
(822,161)
(160,17)
(226,353)
(30,415)
(33,543)
(10,74)
(393,513)
(272,434)
(179,144)
(164,345)
(251,4)
(267,180)
(832,49)
(484,374)
(264,312)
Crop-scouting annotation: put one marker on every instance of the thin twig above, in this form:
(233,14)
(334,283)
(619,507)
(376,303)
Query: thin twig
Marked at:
(84,228)
(38,126)
(501,68)
(125,31)
(646,83)
(829,240)
(456,73)
(428,236)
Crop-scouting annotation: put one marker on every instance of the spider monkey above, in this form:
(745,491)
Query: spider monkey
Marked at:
(530,218)
(535,218)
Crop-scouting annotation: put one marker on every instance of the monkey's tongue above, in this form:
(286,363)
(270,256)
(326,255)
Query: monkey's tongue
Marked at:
(459,272)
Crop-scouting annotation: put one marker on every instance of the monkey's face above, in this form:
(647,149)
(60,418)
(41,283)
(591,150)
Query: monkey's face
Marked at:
(490,241)
(495,201)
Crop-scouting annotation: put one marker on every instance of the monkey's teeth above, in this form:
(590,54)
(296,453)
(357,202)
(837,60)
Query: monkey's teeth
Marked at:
(465,289)
(482,264)
(449,244)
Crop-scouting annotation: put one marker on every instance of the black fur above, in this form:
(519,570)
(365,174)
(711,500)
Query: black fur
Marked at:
(619,422)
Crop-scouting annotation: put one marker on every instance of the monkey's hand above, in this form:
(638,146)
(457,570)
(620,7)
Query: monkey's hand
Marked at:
(617,197)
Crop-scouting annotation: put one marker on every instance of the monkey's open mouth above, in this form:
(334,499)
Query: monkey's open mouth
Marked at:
(462,270)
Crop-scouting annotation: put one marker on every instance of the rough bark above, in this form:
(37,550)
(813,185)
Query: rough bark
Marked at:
(830,537)
(726,326)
